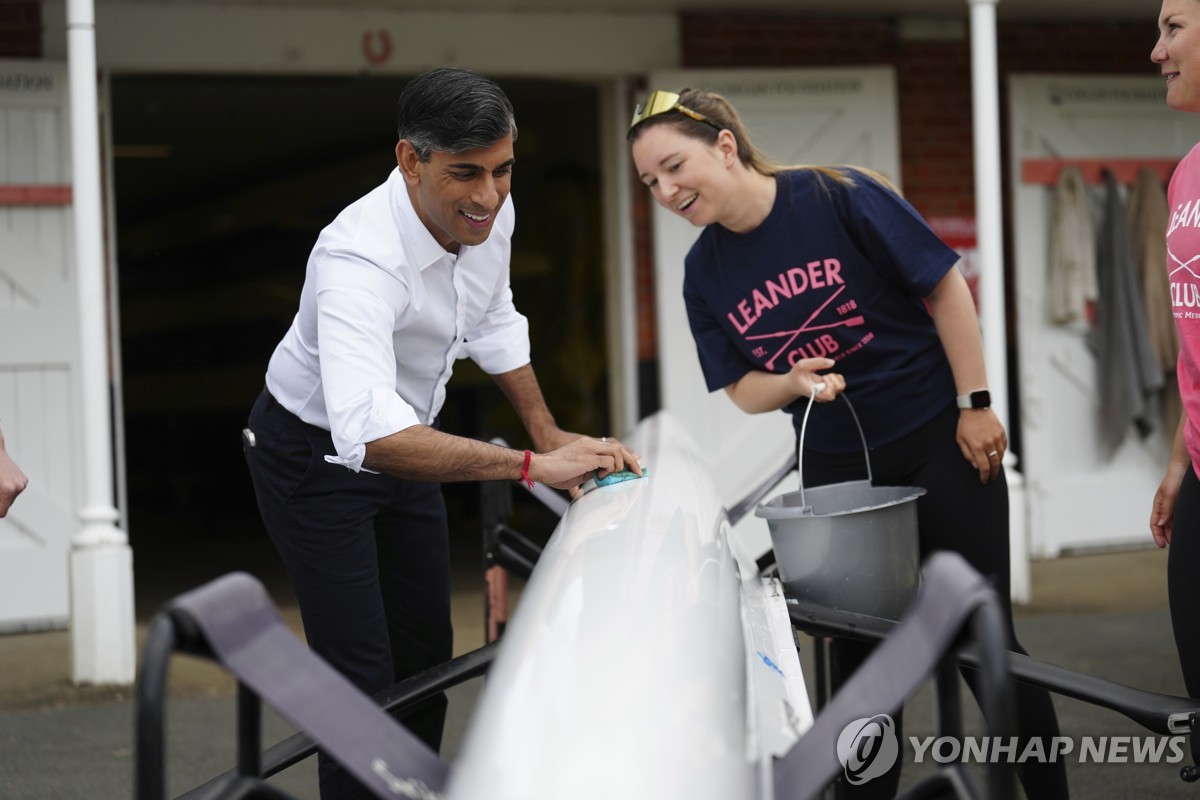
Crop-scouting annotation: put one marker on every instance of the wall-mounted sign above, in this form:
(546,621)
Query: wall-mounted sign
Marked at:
(32,82)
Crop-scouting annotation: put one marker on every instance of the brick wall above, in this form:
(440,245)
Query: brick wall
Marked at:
(933,84)
(20,29)
(933,78)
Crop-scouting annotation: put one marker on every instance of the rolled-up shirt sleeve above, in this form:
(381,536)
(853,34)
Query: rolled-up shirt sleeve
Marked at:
(500,342)
(355,321)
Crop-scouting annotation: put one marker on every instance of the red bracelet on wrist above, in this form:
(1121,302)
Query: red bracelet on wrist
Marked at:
(525,479)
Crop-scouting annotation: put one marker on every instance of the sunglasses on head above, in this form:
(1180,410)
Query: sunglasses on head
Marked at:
(660,102)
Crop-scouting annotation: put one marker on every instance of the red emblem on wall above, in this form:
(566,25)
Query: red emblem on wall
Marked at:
(377,46)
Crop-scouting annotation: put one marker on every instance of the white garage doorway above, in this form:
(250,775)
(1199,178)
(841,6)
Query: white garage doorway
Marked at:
(1079,497)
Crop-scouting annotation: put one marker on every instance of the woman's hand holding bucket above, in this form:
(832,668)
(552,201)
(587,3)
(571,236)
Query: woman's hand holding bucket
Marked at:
(807,383)
(758,391)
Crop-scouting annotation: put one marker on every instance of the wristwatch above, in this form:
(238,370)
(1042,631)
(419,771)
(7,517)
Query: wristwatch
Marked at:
(980,398)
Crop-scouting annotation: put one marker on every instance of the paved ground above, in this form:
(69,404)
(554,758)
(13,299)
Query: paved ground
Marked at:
(1100,614)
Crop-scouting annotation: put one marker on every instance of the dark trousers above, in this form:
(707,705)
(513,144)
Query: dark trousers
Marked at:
(960,514)
(368,558)
(1183,589)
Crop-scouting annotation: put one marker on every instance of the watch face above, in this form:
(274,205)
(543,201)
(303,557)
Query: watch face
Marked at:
(980,398)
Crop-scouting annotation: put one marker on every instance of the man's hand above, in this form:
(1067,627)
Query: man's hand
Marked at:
(573,463)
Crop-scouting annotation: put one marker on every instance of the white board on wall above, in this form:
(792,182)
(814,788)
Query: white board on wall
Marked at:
(809,116)
(1077,497)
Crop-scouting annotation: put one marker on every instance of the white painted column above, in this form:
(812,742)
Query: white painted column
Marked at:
(620,289)
(988,214)
(989,225)
(103,649)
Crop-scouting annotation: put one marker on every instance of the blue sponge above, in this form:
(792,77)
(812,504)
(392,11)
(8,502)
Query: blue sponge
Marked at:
(617,477)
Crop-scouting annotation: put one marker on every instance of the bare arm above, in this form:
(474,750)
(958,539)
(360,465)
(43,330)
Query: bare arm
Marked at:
(521,388)
(422,453)
(563,460)
(981,436)
(12,480)
(757,392)
(1162,514)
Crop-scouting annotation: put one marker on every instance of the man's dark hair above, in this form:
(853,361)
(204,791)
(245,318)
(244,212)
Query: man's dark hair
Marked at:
(453,110)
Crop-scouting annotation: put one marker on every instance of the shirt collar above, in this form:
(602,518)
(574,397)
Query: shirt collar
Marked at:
(423,250)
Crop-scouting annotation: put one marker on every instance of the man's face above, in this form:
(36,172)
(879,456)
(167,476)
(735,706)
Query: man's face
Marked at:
(457,195)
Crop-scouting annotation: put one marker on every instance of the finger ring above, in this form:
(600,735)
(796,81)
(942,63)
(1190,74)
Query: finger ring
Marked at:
(993,454)
(604,438)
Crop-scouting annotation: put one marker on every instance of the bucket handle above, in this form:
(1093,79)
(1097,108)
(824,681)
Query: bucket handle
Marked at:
(803,427)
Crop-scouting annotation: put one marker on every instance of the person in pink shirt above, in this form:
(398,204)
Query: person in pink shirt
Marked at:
(1175,518)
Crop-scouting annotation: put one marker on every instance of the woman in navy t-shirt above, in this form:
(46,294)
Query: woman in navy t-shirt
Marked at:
(804,276)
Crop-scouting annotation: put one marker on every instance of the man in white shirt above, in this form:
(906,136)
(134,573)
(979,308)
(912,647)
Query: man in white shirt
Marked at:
(343,446)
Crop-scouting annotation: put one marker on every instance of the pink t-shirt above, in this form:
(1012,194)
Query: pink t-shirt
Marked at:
(1183,268)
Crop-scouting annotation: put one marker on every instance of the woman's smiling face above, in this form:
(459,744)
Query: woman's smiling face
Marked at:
(686,175)
(1177,52)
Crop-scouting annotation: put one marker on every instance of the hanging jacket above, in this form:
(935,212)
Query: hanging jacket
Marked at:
(1128,374)
(1147,213)
(1071,269)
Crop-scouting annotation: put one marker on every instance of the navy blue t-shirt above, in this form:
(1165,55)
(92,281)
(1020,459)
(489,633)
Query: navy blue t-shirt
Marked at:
(835,271)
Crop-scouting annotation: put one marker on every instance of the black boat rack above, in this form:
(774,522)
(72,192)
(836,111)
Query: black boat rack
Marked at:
(175,629)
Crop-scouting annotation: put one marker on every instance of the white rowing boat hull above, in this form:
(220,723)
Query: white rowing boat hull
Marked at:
(644,660)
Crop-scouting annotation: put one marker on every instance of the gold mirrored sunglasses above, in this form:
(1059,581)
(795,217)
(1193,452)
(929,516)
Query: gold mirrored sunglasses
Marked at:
(660,102)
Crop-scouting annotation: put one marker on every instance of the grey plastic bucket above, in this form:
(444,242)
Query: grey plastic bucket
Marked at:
(848,546)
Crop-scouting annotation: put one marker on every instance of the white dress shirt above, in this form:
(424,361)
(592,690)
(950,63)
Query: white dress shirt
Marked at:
(384,312)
